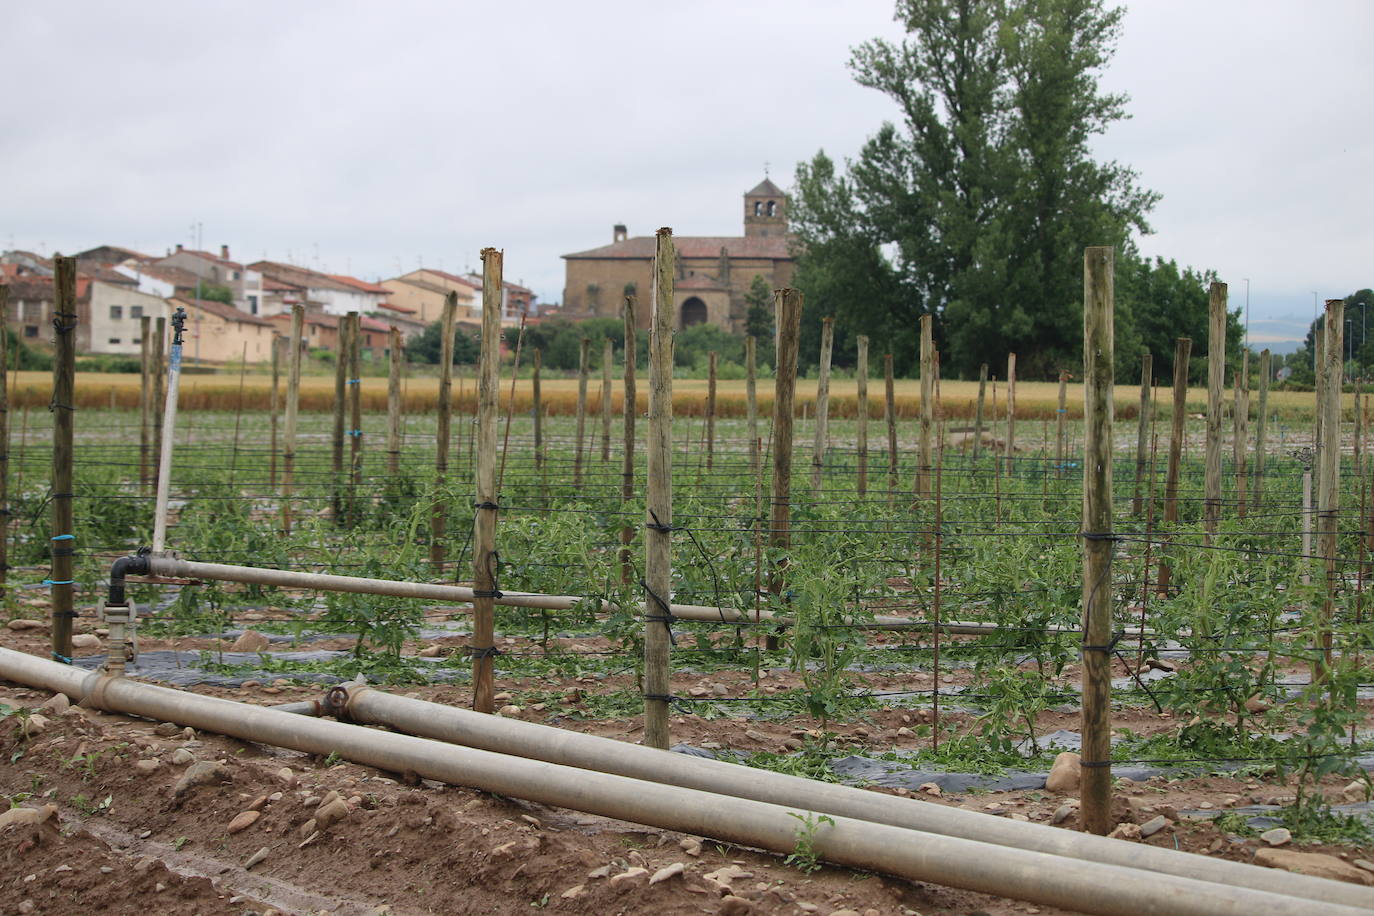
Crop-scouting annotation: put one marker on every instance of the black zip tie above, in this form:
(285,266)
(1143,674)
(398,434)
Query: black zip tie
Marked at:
(657,525)
(1109,647)
(1095,763)
(666,618)
(1098,536)
(487,652)
(490,506)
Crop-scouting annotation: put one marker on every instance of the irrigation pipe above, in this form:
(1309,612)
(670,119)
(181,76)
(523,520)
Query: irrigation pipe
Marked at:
(1087,887)
(173,568)
(567,748)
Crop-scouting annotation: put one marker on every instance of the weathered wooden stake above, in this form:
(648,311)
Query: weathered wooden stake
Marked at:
(978,411)
(787,304)
(1144,418)
(5,441)
(628,411)
(1328,493)
(1098,333)
(345,327)
(438,518)
(1240,429)
(1216,378)
(484,556)
(355,414)
(145,402)
(658,522)
(62,579)
(861,413)
(890,414)
(584,352)
(751,403)
(395,404)
(711,410)
(607,363)
(1261,428)
(1011,412)
(1183,351)
(537,409)
(927,407)
(1060,440)
(293,400)
(274,408)
(822,431)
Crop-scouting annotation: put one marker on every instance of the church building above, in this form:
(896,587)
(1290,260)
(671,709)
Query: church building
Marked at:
(713,272)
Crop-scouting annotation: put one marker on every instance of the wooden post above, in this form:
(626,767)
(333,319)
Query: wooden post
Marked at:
(145,402)
(751,403)
(822,430)
(484,557)
(355,413)
(711,410)
(658,521)
(583,354)
(861,413)
(274,408)
(1216,378)
(1328,492)
(293,400)
(1266,373)
(341,351)
(1060,441)
(607,363)
(1183,351)
(394,403)
(927,407)
(438,519)
(1142,426)
(1319,371)
(787,304)
(978,411)
(890,414)
(628,411)
(62,543)
(159,389)
(1011,411)
(5,439)
(1096,782)
(1240,429)
(537,407)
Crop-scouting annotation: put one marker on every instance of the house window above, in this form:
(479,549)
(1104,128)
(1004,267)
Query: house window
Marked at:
(236,275)
(135,311)
(30,330)
(114,341)
(116,312)
(252,305)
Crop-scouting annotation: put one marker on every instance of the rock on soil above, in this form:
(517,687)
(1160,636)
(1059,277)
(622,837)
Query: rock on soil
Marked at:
(1279,836)
(200,774)
(250,641)
(1064,774)
(1315,864)
(26,816)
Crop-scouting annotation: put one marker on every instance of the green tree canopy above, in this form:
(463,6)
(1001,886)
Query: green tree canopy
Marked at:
(977,206)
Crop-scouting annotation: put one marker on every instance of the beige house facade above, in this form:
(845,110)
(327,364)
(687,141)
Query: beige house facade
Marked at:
(220,333)
(116,317)
(423,292)
(714,273)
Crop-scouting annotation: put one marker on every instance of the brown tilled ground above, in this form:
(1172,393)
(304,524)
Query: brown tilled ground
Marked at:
(122,841)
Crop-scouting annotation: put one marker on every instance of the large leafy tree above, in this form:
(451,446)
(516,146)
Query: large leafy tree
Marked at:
(976,207)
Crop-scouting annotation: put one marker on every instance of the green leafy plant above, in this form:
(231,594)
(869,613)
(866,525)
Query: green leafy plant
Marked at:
(804,856)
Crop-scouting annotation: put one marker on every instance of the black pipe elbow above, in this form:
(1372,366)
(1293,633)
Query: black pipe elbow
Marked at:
(125,566)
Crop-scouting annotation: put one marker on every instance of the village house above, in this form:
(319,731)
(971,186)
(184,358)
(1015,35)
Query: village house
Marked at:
(244,283)
(334,294)
(321,332)
(116,311)
(219,333)
(159,281)
(423,291)
(713,272)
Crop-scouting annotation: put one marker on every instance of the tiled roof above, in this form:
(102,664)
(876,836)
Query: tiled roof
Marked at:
(227,312)
(277,286)
(368,323)
(126,254)
(359,284)
(453,278)
(209,256)
(106,275)
(31,288)
(392,307)
(179,278)
(642,247)
(765,188)
(300,277)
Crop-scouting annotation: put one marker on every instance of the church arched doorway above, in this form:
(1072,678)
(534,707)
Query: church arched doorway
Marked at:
(693,312)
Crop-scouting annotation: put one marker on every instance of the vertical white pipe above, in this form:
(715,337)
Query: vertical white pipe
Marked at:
(169,418)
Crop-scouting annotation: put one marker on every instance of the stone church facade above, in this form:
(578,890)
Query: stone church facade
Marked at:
(713,272)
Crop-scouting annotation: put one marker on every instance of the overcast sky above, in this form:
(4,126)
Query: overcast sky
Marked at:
(367,137)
